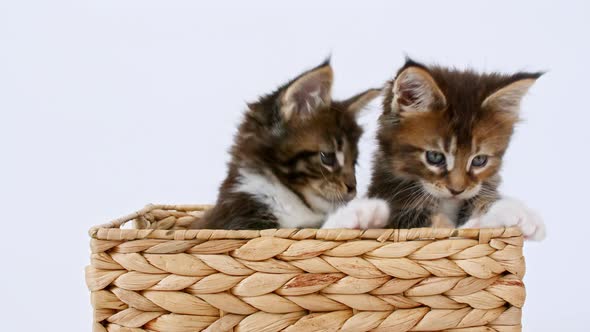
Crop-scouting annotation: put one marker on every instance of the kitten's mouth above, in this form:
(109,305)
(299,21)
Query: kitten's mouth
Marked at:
(324,202)
(335,201)
(442,193)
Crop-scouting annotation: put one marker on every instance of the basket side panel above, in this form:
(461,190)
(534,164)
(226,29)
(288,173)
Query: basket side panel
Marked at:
(271,284)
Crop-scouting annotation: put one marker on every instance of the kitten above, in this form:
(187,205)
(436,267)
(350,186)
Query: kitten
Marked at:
(293,159)
(441,139)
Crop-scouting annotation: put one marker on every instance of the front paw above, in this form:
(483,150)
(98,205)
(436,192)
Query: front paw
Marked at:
(511,212)
(360,214)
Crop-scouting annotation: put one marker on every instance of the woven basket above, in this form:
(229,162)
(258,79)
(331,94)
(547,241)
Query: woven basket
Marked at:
(167,278)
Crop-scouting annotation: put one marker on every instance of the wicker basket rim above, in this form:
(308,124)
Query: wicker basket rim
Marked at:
(111,231)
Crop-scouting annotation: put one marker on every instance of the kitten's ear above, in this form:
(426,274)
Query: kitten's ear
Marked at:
(356,103)
(508,98)
(415,91)
(307,93)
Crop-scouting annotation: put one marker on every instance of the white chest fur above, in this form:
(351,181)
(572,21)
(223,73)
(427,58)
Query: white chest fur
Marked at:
(450,208)
(290,211)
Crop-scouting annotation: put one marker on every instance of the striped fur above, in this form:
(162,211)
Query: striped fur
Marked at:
(459,114)
(276,177)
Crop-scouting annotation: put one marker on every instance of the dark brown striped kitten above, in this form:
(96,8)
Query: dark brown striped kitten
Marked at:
(442,136)
(293,159)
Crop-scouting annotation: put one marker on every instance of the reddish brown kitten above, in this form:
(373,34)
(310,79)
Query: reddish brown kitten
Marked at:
(442,136)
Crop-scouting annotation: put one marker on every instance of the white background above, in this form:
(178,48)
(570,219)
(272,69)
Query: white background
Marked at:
(108,105)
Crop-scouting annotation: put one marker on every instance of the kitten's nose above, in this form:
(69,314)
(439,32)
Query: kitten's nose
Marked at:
(455,192)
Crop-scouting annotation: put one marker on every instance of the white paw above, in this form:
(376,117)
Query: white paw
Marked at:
(511,212)
(362,213)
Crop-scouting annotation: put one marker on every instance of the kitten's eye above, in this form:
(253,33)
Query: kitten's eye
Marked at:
(435,158)
(479,160)
(328,158)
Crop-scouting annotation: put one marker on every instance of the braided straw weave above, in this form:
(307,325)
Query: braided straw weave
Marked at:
(163,277)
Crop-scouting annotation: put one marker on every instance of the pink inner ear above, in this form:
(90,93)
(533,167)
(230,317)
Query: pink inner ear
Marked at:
(310,96)
(408,93)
